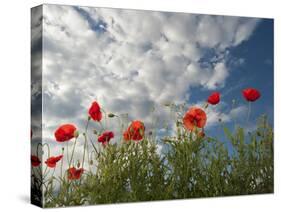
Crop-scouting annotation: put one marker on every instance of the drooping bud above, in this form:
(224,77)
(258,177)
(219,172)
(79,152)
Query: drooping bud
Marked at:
(167,103)
(91,162)
(76,134)
(111,115)
(206,105)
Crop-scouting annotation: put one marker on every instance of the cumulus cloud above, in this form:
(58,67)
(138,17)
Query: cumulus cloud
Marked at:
(131,61)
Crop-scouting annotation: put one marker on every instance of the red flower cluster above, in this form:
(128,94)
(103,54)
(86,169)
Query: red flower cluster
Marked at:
(74,174)
(35,161)
(95,111)
(135,131)
(251,94)
(52,161)
(214,98)
(194,117)
(66,132)
(105,137)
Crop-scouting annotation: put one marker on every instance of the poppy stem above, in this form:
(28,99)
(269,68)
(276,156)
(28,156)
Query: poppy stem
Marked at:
(94,147)
(87,125)
(72,153)
(84,152)
(67,153)
(232,108)
(249,112)
(62,151)
(87,147)
(105,118)
(103,129)
(37,149)
(85,143)
(48,157)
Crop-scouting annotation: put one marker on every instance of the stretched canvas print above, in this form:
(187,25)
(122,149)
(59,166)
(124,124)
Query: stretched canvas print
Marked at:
(131,105)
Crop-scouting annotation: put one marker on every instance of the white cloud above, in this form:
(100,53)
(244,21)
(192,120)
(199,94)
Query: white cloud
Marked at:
(218,76)
(239,112)
(131,61)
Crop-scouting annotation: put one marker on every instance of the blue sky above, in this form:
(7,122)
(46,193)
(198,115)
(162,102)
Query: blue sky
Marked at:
(131,61)
(256,71)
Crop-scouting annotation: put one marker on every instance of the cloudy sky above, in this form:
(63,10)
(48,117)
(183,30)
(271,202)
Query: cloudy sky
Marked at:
(133,61)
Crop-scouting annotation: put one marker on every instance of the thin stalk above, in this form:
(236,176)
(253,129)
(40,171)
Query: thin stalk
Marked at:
(85,143)
(72,153)
(62,151)
(67,153)
(94,147)
(48,157)
(234,118)
(249,112)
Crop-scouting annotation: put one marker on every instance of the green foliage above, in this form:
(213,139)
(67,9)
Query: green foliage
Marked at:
(190,166)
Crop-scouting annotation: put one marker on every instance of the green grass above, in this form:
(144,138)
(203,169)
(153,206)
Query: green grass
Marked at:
(190,167)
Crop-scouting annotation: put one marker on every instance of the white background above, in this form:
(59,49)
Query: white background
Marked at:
(15,102)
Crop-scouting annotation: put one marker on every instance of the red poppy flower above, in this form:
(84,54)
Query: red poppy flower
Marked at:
(214,98)
(105,137)
(135,131)
(35,161)
(251,94)
(52,161)
(194,117)
(74,174)
(65,132)
(95,112)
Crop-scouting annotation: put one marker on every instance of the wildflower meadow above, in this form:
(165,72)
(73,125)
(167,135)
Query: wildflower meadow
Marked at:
(127,167)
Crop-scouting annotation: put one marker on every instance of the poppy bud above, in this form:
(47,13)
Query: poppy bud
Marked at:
(91,162)
(95,132)
(62,149)
(167,104)
(206,105)
(76,134)
(78,164)
(150,133)
(111,115)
